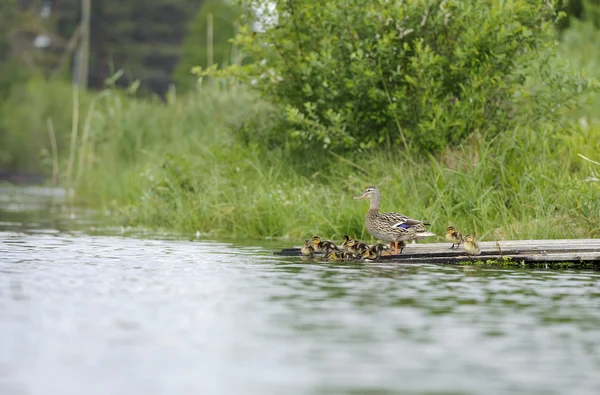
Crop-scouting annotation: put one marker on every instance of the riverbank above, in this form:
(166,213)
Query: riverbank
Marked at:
(204,163)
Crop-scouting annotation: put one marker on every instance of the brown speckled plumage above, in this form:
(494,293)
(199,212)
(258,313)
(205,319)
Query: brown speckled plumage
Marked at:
(391,227)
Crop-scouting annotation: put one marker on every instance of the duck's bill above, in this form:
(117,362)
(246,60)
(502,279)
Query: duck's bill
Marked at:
(359,197)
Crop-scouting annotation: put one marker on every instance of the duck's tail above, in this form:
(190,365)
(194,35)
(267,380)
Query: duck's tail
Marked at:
(425,234)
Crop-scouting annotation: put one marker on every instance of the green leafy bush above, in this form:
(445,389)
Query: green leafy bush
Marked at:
(422,74)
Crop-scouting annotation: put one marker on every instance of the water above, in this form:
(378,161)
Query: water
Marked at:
(83,312)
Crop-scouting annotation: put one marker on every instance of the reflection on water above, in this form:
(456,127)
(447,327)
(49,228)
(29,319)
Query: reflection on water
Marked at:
(83,314)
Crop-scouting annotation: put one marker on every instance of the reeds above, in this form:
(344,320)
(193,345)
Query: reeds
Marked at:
(517,188)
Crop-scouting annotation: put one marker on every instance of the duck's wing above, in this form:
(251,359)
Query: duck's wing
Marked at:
(401,221)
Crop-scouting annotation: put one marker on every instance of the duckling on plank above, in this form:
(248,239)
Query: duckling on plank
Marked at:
(341,256)
(345,241)
(357,247)
(471,246)
(324,246)
(307,249)
(375,251)
(455,237)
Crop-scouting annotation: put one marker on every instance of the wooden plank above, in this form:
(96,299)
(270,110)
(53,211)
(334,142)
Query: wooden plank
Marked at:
(513,251)
(454,253)
(569,257)
(525,245)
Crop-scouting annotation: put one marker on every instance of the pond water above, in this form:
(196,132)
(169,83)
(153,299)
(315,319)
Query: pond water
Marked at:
(90,312)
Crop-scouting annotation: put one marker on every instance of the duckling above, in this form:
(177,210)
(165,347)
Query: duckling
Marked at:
(335,256)
(401,245)
(370,255)
(339,256)
(345,241)
(357,247)
(307,249)
(471,246)
(380,248)
(323,246)
(453,236)
(349,256)
(375,251)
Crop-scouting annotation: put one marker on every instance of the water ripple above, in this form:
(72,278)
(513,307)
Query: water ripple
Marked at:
(98,314)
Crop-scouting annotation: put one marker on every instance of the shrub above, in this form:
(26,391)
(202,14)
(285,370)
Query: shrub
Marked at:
(421,74)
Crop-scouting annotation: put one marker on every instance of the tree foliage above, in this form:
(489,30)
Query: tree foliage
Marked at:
(194,49)
(140,37)
(18,56)
(423,74)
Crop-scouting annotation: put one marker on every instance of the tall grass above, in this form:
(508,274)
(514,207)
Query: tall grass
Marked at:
(531,184)
(33,115)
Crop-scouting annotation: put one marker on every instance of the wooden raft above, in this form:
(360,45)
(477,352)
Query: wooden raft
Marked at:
(578,252)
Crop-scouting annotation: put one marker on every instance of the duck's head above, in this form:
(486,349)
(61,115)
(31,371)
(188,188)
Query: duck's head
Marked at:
(307,243)
(451,230)
(369,193)
(346,239)
(351,243)
(469,238)
(316,240)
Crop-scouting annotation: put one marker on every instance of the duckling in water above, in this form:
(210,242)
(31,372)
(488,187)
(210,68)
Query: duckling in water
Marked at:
(453,236)
(357,247)
(324,246)
(471,246)
(375,251)
(307,249)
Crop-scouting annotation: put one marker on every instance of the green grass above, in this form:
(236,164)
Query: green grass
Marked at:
(529,184)
(195,164)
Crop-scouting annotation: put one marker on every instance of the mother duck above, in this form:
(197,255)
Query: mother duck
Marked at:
(393,227)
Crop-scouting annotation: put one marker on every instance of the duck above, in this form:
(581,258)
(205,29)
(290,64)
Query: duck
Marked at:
(375,251)
(471,246)
(455,237)
(324,246)
(391,227)
(340,256)
(357,247)
(307,249)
